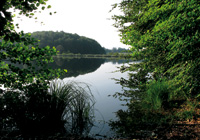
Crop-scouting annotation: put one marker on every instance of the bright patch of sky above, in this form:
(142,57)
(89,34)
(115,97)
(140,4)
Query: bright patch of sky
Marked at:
(89,18)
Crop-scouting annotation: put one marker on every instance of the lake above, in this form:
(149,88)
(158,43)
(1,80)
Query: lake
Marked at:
(99,74)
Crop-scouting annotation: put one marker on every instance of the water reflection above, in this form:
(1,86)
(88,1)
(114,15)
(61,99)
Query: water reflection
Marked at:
(98,73)
(102,85)
(80,66)
(76,66)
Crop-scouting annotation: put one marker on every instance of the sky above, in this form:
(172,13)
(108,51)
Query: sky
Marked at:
(89,18)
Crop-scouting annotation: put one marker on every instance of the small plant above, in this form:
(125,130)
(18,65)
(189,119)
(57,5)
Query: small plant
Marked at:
(188,111)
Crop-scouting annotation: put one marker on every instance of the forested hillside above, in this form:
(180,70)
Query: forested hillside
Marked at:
(68,43)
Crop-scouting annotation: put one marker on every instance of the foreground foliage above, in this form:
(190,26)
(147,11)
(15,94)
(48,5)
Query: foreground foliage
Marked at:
(21,60)
(24,74)
(165,89)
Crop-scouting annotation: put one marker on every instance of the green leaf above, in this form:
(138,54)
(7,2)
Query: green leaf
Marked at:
(38,4)
(65,70)
(49,6)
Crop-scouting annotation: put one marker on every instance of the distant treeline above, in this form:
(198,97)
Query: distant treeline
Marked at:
(68,43)
(116,50)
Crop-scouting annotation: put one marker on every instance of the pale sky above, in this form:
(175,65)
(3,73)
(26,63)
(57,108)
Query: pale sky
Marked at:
(87,18)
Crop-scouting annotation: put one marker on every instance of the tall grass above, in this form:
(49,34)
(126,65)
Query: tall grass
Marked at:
(76,103)
(157,95)
(65,108)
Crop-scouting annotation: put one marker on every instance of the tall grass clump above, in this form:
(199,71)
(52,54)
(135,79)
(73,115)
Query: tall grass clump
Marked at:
(154,106)
(76,103)
(157,95)
(63,108)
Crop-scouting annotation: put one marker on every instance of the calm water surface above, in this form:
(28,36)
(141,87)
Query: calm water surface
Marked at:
(99,74)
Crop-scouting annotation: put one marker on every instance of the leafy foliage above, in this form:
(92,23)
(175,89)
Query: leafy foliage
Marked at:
(23,70)
(27,8)
(21,60)
(165,35)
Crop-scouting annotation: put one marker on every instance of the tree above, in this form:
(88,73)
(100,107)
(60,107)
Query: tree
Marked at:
(165,35)
(70,42)
(21,60)
(24,73)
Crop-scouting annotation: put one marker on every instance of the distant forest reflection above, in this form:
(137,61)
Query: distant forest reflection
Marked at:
(80,66)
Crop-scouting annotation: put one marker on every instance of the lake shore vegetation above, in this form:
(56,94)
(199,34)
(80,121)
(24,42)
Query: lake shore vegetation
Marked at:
(162,91)
(31,106)
(64,109)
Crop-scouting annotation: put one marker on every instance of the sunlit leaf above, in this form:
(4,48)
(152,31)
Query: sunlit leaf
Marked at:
(49,6)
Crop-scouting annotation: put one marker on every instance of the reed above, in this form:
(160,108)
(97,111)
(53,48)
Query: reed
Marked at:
(76,102)
(65,108)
